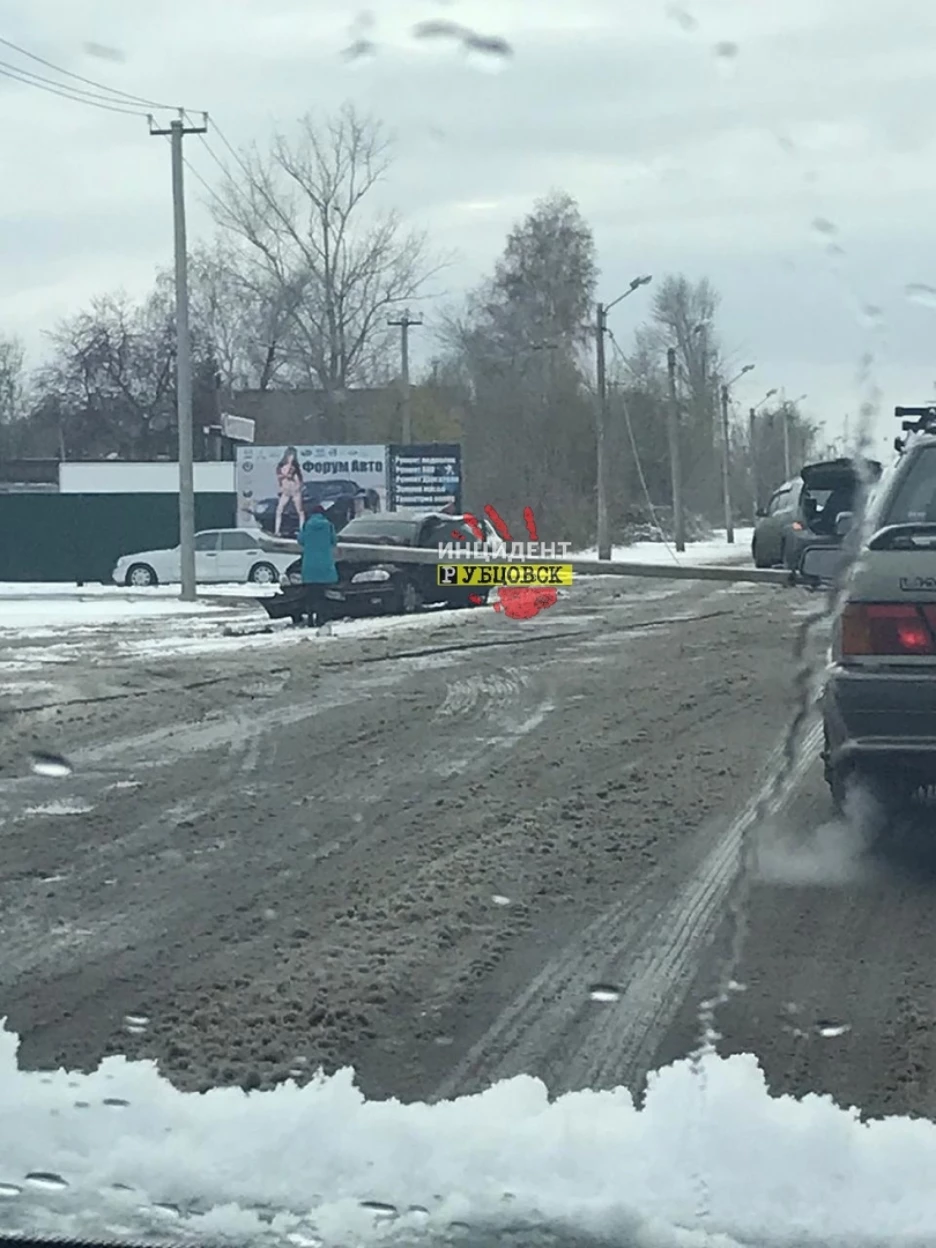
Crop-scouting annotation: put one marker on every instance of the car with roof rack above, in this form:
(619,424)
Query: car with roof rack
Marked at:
(878,700)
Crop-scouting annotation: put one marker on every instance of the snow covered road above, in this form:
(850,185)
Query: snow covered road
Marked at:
(457,850)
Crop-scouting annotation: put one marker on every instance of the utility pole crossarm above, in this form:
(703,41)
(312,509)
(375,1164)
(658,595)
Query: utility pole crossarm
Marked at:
(177,130)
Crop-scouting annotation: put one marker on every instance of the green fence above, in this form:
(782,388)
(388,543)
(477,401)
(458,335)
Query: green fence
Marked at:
(77,538)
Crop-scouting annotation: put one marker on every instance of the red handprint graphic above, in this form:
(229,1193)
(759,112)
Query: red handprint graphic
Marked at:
(519,602)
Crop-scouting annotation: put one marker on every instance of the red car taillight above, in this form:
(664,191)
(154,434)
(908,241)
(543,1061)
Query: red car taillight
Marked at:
(888,628)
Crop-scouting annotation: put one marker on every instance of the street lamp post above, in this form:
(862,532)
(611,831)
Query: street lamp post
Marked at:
(601,325)
(726,452)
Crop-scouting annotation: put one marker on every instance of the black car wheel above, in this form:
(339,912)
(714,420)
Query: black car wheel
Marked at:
(755,555)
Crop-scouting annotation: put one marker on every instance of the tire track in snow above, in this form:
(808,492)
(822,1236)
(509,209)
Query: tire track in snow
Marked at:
(541,1025)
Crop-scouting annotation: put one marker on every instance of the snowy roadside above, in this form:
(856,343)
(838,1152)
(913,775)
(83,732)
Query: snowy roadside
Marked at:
(56,624)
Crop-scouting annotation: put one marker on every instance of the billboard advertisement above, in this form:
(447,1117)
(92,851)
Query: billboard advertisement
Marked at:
(278,485)
(425,477)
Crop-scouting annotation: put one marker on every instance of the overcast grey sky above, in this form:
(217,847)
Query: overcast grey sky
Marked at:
(684,154)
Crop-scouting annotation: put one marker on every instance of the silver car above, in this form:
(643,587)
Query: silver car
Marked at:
(879,698)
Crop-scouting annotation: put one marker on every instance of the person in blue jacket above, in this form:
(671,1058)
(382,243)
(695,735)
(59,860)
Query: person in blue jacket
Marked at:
(318,539)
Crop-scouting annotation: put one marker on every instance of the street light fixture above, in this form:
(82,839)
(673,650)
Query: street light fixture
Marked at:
(601,325)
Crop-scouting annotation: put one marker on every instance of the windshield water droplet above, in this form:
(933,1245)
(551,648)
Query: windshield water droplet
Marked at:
(682,17)
(136,1024)
(380,1208)
(9,1191)
(604,992)
(918,292)
(116,1102)
(46,1181)
(52,765)
(500,900)
(167,1211)
(830,1031)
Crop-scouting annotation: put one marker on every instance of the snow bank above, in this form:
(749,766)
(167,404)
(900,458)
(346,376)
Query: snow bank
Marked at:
(119,1151)
(716,550)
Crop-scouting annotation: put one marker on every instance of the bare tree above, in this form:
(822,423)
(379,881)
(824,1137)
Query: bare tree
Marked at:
(13,395)
(683,316)
(110,383)
(517,352)
(237,308)
(339,265)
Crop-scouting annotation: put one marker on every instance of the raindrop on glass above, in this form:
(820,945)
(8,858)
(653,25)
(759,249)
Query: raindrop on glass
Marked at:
(103,52)
(358,817)
(918,292)
(52,765)
(735,986)
(823,226)
(167,1210)
(136,1024)
(9,1191)
(726,50)
(46,1180)
(116,1102)
(604,992)
(418,1211)
(500,900)
(682,17)
(360,52)
(380,1208)
(871,316)
(830,1031)
(487,53)
(439,29)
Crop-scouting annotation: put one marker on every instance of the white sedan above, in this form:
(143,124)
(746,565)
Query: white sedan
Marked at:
(222,556)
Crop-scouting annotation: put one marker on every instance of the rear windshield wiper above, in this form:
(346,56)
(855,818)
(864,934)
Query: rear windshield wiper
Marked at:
(901,536)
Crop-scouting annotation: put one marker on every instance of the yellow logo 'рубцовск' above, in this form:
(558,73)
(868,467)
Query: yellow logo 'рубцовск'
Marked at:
(478,575)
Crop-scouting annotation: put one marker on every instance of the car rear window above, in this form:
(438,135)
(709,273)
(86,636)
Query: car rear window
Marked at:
(914,499)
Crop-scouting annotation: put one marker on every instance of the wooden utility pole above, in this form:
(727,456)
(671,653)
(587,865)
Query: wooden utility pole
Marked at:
(672,424)
(403,324)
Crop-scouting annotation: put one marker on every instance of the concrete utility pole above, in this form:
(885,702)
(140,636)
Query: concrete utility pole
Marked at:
(601,429)
(672,427)
(177,130)
(604,538)
(403,324)
(726,452)
(726,466)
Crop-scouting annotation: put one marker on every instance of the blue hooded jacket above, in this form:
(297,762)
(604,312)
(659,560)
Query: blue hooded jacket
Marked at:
(318,539)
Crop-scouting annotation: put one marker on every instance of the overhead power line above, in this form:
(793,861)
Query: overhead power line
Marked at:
(89,82)
(67,93)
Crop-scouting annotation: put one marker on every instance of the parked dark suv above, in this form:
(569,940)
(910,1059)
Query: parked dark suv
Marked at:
(802,512)
(879,698)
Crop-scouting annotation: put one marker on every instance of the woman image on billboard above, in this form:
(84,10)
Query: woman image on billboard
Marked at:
(289,483)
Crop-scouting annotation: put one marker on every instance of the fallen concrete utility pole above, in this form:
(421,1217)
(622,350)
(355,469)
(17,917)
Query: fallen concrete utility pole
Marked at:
(349,552)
